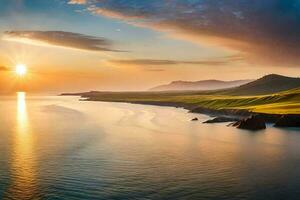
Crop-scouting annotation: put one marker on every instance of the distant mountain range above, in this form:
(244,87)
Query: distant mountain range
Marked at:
(269,84)
(199,85)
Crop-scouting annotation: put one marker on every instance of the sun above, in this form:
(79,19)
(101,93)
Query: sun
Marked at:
(21,69)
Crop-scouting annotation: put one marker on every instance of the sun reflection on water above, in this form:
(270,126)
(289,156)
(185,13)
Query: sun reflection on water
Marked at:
(23,183)
(22,121)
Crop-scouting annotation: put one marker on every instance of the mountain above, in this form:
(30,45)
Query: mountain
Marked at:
(199,85)
(269,84)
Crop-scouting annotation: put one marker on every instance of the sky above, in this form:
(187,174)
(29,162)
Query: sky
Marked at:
(126,45)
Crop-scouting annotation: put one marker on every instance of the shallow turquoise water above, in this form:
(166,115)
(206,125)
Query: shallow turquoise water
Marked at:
(62,148)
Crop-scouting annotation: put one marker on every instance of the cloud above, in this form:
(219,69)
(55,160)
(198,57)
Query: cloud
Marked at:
(61,39)
(155,70)
(154,62)
(3,68)
(265,32)
(80,2)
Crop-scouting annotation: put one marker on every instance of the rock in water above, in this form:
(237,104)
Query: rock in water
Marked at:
(195,119)
(220,120)
(288,121)
(254,123)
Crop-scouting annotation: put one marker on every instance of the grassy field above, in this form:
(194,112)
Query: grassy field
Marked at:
(287,102)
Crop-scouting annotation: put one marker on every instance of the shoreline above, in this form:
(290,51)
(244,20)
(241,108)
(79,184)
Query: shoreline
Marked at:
(218,110)
(192,108)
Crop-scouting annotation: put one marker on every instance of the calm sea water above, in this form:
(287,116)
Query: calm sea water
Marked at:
(62,148)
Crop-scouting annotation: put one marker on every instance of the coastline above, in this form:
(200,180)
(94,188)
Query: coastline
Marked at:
(219,108)
(192,108)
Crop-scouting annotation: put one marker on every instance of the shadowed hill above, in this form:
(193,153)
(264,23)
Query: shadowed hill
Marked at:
(269,84)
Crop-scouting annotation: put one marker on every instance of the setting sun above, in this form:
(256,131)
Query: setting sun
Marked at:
(21,69)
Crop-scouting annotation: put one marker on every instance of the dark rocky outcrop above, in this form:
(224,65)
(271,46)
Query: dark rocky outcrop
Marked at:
(253,122)
(288,121)
(220,120)
(195,119)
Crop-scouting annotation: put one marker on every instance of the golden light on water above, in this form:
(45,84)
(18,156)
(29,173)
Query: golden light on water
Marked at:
(21,69)
(21,112)
(23,184)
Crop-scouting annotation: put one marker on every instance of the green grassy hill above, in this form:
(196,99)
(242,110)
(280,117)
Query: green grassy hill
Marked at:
(287,102)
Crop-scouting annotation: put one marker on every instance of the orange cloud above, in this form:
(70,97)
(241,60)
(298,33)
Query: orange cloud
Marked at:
(61,39)
(153,62)
(80,2)
(3,68)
